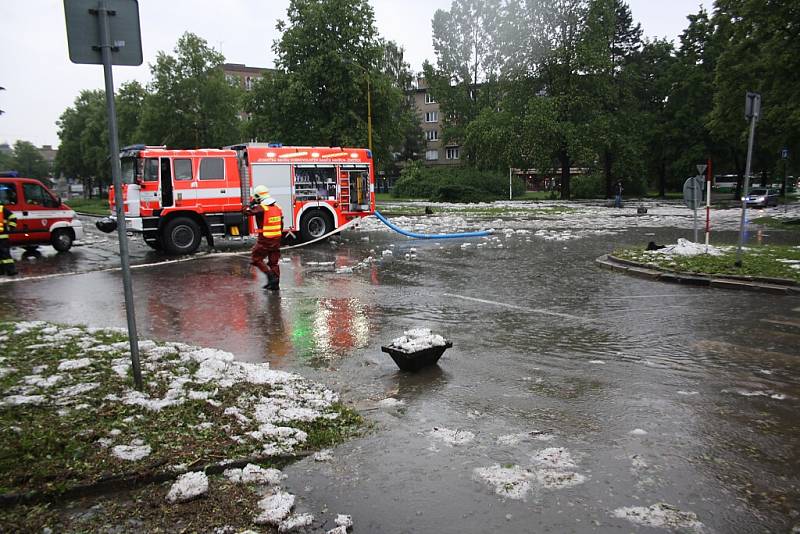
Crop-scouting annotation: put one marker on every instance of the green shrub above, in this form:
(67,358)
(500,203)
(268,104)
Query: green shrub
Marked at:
(454,184)
(588,186)
(458,193)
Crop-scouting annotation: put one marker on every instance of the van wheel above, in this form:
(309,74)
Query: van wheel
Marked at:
(314,224)
(181,236)
(61,239)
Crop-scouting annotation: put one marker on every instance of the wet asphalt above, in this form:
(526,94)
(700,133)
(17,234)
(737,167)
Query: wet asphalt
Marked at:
(654,393)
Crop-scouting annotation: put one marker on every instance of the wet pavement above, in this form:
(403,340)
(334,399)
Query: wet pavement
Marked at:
(570,393)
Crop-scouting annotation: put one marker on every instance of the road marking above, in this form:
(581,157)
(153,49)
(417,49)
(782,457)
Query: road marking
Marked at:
(787,322)
(8,280)
(521,308)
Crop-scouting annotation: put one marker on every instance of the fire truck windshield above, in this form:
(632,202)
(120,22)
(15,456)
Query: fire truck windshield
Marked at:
(128,170)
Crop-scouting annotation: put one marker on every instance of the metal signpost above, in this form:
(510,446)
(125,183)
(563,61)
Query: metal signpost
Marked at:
(707,168)
(106,32)
(693,195)
(752,110)
(785,157)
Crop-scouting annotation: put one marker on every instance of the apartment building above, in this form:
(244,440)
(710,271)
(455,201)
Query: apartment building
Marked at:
(431,120)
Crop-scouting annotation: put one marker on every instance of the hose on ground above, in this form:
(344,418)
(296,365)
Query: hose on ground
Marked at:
(415,235)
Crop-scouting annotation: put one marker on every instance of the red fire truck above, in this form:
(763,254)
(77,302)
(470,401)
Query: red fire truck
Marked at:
(174,198)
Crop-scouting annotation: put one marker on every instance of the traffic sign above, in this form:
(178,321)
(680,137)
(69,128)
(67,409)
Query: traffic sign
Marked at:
(693,192)
(83,31)
(785,153)
(701,169)
(752,106)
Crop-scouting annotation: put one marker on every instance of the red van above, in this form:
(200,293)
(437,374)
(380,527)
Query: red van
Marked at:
(42,219)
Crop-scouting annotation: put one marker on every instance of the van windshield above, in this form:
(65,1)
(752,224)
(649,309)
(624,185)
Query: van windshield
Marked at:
(128,170)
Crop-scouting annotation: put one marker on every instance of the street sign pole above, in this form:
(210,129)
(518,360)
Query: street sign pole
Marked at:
(752,111)
(90,22)
(116,175)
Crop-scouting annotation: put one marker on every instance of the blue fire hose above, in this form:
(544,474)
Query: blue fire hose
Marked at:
(429,236)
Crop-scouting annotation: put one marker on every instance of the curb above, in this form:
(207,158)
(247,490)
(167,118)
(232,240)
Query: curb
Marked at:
(775,286)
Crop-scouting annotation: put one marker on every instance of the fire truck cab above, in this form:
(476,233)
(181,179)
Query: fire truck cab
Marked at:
(174,198)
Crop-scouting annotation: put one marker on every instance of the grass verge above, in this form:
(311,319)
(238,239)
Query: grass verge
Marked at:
(94,206)
(69,415)
(766,261)
(789,225)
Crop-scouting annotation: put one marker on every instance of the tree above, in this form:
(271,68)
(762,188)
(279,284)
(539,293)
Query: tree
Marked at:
(405,118)
(83,151)
(760,54)
(29,161)
(610,44)
(328,54)
(129,104)
(691,99)
(653,71)
(541,48)
(463,81)
(190,103)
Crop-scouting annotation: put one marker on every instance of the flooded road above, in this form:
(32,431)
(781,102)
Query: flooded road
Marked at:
(574,399)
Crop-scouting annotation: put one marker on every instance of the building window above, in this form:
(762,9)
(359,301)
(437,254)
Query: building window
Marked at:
(429,99)
(432,135)
(431,155)
(432,116)
(451,152)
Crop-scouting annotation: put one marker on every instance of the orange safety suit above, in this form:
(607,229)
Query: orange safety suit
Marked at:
(268,244)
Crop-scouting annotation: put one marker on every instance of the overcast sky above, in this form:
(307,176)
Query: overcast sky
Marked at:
(40,81)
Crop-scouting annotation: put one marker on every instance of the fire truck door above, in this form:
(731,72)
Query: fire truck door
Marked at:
(149,192)
(184,183)
(166,183)
(278,179)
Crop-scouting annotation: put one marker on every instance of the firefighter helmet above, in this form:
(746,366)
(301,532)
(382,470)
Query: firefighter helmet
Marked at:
(261,191)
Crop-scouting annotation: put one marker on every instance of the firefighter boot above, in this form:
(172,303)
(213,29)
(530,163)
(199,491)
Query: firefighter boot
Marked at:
(270,281)
(274,282)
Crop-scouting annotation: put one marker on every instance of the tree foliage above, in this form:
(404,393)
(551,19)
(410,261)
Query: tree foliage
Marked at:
(28,161)
(333,69)
(189,103)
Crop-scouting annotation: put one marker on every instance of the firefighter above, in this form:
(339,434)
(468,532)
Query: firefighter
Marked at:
(269,219)
(8,224)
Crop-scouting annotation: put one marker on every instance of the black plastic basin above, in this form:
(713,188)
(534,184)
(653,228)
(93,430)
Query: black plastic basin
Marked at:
(414,361)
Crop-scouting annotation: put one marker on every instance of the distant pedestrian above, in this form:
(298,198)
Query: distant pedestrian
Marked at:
(269,219)
(8,224)
(618,194)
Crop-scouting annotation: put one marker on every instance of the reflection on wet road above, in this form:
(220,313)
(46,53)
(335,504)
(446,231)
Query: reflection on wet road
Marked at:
(571,392)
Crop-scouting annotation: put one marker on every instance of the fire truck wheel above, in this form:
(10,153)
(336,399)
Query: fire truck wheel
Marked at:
(61,239)
(181,236)
(154,243)
(315,224)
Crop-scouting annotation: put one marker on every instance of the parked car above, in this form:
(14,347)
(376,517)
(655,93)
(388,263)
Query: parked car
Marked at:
(762,197)
(42,219)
